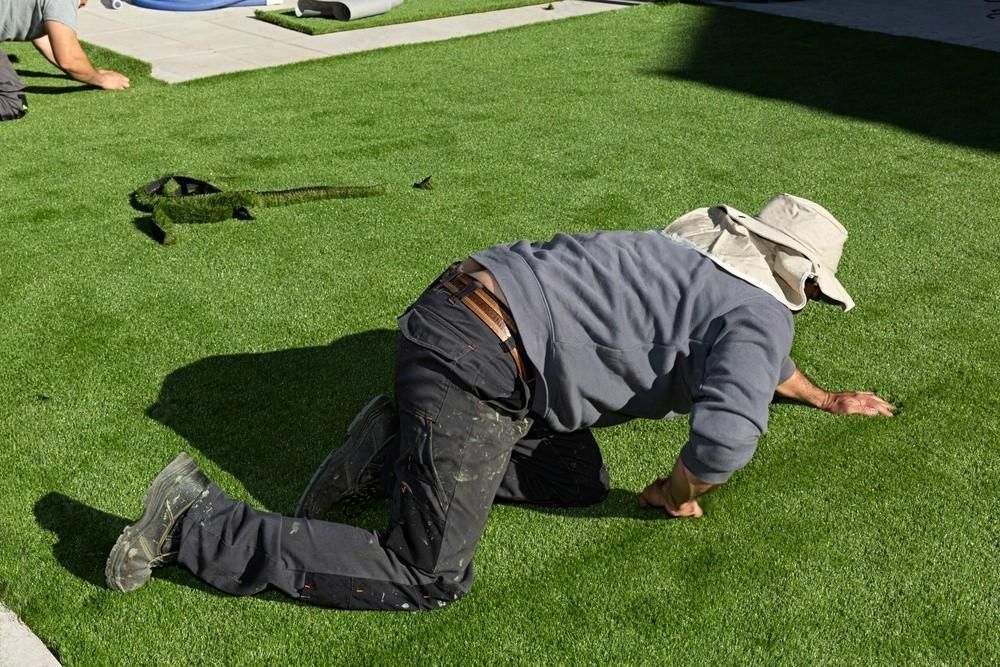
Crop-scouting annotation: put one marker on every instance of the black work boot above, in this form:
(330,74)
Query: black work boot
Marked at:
(154,538)
(353,472)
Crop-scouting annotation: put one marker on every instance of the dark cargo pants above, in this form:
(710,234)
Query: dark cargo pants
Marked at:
(464,442)
(13,103)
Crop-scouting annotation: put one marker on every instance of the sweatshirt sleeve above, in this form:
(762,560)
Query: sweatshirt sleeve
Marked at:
(787,368)
(730,406)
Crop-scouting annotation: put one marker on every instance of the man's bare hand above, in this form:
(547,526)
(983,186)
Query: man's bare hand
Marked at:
(109,80)
(800,388)
(61,46)
(657,495)
(857,403)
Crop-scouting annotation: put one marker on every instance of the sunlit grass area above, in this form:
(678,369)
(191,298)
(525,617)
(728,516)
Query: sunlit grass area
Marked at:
(251,344)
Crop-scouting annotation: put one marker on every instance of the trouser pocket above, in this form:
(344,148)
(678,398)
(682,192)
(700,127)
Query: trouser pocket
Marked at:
(419,507)
(447,475)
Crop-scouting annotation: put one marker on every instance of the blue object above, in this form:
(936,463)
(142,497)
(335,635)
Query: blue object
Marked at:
(195,5)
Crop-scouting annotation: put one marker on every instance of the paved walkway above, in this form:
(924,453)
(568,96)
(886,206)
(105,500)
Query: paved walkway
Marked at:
(18,646)
(189,45)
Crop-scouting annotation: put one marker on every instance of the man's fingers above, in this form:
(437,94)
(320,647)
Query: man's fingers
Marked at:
(111,80)
(880,407)
(865,403)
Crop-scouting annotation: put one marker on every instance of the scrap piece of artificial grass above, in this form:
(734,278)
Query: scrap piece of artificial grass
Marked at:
(411,10)
(181,199)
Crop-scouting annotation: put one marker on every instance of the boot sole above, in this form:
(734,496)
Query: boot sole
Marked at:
(336,459)
(181,467)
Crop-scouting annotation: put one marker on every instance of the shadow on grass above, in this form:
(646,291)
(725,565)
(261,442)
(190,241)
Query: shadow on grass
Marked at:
(145,224)
(85,534)
(36,74)
(270,418)
(33,88)
(938,90)
(55,90)
(620,503)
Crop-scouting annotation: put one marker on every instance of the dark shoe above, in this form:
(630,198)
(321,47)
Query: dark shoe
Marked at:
(154,538)
(353,471)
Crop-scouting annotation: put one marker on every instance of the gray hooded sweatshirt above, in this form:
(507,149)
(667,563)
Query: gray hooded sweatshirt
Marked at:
(623,325)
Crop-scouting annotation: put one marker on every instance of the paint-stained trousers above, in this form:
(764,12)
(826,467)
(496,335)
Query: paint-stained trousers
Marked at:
(13,103)
(465,441)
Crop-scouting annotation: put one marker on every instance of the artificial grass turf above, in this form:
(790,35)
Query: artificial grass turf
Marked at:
(411,10)
(252,344)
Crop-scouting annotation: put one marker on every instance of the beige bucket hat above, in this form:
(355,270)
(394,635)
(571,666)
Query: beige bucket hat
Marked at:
(791,240)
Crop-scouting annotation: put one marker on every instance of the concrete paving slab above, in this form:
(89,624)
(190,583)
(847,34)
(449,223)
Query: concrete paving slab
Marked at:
(19,647)
(206,36)
(140,44)
(91,21)
(189,45)
(197,66)
(270,31)
(271,55)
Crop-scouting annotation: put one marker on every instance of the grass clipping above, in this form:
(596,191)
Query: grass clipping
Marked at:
(181,199)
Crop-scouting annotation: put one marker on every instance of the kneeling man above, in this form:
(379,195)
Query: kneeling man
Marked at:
(505,363)
(51,26)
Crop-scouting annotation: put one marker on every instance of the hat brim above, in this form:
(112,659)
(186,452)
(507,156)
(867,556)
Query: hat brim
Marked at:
(825,278)
(832,289)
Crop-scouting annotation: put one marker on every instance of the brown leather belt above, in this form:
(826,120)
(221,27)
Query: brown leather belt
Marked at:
(488,309)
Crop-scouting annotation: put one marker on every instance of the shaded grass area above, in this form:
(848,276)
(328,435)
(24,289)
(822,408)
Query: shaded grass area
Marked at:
(907,84)
(252,344)
(411,10)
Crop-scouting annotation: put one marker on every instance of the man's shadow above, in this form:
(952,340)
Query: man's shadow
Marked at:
(67,85)
(54,90)
(84,534)
(619,503)
(270,418)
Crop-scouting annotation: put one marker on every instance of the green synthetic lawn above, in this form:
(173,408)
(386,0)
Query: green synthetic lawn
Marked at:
(411,10)
(252,344)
